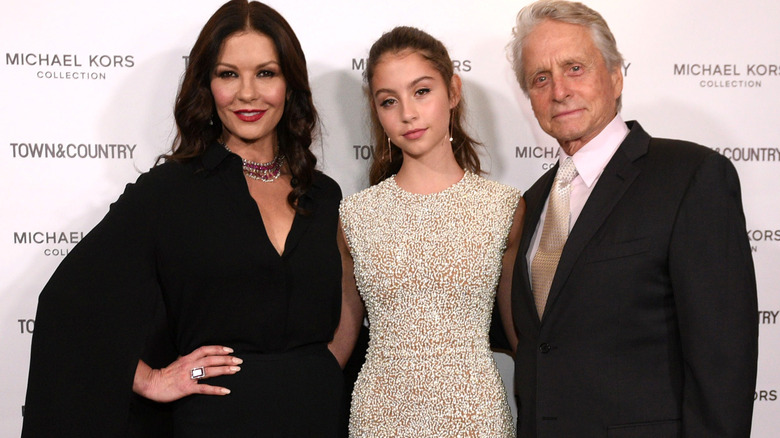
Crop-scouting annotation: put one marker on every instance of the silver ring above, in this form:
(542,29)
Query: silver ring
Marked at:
(197,373)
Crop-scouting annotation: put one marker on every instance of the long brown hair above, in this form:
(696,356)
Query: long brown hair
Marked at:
(198,125)
(387,161)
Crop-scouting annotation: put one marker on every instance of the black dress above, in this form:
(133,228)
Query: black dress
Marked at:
(182,260)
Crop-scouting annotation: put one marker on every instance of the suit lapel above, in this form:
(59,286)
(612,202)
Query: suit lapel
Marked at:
(616,178)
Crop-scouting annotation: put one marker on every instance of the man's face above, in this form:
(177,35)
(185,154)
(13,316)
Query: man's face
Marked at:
(572,93)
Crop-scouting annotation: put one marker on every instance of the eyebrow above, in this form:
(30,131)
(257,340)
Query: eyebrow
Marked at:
(411,85)
(563,62)
(259,66)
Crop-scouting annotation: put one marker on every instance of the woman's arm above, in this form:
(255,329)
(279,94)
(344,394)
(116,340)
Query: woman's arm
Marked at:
(504,296)
(352,309)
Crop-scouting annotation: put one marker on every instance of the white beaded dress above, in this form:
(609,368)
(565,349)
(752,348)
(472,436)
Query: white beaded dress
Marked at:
(427,267)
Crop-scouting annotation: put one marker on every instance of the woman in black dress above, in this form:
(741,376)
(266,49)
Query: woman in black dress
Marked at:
(219,269)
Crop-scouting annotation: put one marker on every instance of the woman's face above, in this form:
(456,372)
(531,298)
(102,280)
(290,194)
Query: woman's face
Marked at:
(413,103)
(249,89)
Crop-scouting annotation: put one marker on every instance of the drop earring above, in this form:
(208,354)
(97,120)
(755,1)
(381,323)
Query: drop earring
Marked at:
(389,149)
(451,115)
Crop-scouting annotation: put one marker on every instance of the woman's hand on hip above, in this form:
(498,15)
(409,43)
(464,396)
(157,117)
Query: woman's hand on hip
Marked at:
(183,377)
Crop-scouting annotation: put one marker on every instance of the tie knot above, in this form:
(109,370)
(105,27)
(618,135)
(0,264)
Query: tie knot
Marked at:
(566,171)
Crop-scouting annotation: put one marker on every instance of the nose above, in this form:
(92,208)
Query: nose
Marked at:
(408,111)
(560,88)
(247,91)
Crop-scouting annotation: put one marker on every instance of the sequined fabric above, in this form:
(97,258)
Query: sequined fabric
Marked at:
(427,267)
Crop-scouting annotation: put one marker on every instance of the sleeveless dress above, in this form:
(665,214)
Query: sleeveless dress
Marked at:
(427,268)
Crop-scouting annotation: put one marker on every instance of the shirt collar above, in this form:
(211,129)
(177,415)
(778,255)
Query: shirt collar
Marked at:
(215,153)
(592,158)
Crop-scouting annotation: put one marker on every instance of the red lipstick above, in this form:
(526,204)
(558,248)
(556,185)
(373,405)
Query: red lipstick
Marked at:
(249,115)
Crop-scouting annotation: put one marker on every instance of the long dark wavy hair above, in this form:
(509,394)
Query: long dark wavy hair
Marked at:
(387,161)
(198,125)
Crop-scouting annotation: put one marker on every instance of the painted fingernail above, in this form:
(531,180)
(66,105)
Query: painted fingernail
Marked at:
(224,391)
(235,369)
(237,360)
(228,349)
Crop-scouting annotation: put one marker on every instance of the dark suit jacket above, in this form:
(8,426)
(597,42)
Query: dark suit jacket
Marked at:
(651,326)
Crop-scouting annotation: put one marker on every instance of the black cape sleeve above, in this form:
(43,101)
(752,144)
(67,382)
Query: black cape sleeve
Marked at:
(99,313)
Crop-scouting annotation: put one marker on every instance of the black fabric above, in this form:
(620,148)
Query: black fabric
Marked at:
(301,390)
(182,260)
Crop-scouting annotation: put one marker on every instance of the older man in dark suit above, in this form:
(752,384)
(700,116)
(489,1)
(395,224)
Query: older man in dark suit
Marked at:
(634,293)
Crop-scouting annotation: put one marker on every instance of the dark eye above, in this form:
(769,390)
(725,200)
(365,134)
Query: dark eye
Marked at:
(266,74)
(422,91)
(227,74)
(387,102)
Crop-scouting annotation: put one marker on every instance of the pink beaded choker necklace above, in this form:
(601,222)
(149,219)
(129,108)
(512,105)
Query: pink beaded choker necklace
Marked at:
(265,172)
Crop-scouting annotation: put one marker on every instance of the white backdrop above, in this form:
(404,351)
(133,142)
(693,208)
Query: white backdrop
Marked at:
(88,89)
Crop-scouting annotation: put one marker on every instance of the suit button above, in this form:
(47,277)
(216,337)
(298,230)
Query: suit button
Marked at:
(545,348)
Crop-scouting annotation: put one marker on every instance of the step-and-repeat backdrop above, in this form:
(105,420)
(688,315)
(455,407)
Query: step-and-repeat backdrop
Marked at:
(88,88)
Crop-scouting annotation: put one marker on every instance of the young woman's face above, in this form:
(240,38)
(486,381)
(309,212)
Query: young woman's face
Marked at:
(249,89)
(413,103)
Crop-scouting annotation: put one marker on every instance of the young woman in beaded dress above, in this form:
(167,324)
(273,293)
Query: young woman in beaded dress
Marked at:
(431,241)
